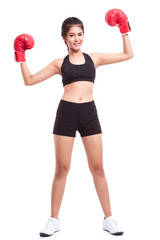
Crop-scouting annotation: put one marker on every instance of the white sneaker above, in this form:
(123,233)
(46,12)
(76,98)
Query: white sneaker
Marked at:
(51,227)
(110,225)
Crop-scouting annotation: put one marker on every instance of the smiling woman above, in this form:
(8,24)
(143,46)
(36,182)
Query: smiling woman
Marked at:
(77,110)
(74,38)
(69,23)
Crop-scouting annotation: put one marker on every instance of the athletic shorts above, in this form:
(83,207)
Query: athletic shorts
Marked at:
(72,116)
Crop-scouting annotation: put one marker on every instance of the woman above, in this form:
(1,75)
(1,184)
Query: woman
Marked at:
(77,109)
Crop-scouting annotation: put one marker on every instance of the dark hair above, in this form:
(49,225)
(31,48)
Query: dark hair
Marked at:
(68,23)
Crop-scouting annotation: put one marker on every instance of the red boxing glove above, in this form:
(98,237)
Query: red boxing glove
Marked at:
(118,17)
(21,44)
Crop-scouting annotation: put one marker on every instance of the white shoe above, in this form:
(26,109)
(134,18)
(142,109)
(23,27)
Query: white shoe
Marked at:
(110,225)
(51,227)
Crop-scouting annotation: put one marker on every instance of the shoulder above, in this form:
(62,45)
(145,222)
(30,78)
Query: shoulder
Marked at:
(58,64)
(103,58)
(95,58)
(95,55)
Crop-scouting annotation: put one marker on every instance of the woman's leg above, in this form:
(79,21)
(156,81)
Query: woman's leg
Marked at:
(63,152)
(94,151)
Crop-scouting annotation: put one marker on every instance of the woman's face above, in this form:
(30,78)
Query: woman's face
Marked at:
(74,38)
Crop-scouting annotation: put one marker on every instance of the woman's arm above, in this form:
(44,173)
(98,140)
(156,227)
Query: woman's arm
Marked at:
(104,58)
(52,69)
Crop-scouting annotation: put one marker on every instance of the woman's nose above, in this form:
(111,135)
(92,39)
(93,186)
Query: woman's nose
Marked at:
(76,38)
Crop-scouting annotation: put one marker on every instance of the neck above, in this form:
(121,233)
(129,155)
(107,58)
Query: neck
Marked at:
(75,53)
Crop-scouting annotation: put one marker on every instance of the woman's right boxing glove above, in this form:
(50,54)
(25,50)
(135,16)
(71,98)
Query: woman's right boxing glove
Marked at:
(21,44)
(117,16)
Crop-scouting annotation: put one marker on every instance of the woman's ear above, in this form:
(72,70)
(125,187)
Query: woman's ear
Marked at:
(65,42)
(64,38)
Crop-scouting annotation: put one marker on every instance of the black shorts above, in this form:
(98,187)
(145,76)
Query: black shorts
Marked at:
(72,116)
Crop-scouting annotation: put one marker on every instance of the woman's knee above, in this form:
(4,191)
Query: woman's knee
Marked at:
(98,170)
(61,171)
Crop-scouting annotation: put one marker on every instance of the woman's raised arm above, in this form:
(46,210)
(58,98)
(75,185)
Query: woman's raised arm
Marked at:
(105,58)
(52,69)
(116,17)
(24,42)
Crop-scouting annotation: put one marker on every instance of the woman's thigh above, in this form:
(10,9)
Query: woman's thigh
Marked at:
(94,151)
(63,150)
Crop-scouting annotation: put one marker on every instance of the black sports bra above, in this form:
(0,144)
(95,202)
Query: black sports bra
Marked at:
(73,72)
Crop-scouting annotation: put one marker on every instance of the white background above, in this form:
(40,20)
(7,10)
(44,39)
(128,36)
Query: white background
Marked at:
(127,99)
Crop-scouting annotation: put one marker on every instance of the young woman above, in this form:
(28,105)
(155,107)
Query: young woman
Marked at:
(77,109)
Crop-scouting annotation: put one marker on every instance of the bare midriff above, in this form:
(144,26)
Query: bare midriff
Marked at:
(78,92)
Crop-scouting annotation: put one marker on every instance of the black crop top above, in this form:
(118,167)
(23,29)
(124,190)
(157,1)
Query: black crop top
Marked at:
(74,72)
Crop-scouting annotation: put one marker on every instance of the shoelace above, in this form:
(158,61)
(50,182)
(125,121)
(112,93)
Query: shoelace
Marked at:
(50,223)
(113,221)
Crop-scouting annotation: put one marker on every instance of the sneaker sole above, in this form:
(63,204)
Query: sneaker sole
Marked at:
(116,234)
(46,235)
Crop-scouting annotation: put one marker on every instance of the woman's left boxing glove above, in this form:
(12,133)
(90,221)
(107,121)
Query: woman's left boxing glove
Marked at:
(21,44)
(118,17)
